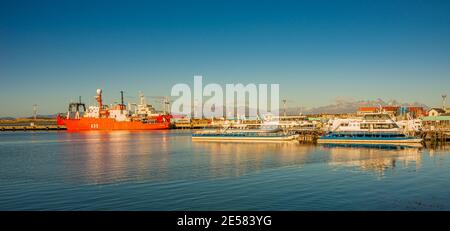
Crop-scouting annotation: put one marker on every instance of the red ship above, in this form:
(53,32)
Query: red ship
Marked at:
(118,117)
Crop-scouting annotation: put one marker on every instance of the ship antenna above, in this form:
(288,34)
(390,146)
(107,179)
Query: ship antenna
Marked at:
(34,111)
(142,97)
(444,98)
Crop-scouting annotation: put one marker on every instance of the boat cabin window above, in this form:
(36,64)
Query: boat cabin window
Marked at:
(385,126)
(364,126)
(269,127)
(377,117)
(381,126)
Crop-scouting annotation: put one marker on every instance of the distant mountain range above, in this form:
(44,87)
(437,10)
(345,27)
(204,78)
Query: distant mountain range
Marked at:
(43,116)
(30,117)
(345,106)
(349,106)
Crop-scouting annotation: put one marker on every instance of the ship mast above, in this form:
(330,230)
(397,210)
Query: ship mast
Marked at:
(99,101)
(34,111)
(122,105)
(142,98)
(444,98)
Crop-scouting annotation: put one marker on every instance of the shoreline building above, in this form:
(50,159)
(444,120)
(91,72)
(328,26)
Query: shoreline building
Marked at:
(413,111)
(436,111)
(438,117)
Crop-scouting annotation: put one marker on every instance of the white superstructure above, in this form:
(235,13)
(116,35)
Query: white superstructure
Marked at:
(373,122)
(119,112)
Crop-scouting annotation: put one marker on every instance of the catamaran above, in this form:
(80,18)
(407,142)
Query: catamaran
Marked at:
(373,128)
(264,132)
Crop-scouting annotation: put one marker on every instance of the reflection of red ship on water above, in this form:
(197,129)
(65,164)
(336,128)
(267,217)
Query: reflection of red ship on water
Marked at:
(116,117)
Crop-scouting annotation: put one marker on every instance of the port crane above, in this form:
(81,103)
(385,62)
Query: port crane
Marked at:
(165,102)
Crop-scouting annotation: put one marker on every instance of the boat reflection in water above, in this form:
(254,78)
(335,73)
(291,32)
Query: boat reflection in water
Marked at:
(235,159)
(98,157)
(103,157)
(165,170)
(374,158)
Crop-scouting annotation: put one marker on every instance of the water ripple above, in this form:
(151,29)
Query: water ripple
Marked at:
(164,170)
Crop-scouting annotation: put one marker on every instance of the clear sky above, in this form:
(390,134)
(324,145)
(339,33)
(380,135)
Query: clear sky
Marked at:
(53,51)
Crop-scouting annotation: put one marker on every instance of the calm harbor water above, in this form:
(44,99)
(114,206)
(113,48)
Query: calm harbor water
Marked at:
(164,170)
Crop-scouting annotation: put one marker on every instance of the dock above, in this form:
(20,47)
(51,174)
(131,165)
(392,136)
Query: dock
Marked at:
(436,136)
(190,125)
(32,128)
(308,135)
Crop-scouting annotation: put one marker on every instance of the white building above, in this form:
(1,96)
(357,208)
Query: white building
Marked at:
(436,111)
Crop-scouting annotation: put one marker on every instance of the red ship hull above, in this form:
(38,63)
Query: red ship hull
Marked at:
(85,124)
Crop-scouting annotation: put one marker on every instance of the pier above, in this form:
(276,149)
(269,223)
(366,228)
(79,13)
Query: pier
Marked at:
(31,127)
(308,135)
(27,124)
(190,125)
(436,136)
(193,124)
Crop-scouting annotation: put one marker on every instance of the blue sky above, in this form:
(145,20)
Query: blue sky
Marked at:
(53,51)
